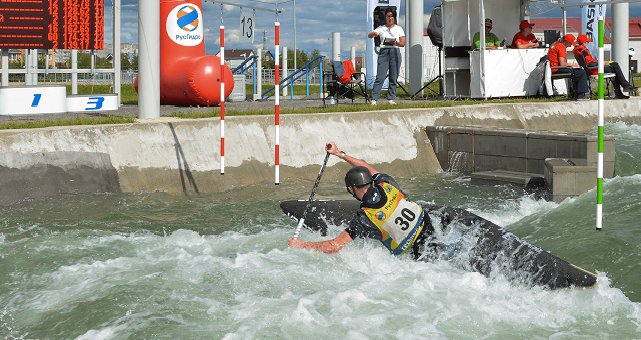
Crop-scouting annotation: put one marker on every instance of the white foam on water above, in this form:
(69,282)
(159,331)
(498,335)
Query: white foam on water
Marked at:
(514,210)
(623,128)
(238,285)
(365,289)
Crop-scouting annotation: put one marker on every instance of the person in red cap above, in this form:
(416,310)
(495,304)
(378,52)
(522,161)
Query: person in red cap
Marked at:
(581,49)
(558,57)
(524,38)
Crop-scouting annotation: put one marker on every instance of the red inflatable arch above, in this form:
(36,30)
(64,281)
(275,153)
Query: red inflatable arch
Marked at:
(187,75)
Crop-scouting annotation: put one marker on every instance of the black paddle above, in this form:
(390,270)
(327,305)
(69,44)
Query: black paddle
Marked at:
(311,197)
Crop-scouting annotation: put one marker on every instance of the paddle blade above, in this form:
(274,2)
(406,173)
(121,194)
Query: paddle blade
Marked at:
(321,212)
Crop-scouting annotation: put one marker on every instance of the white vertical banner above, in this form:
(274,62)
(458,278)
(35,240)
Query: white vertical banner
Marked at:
(590,23)
(247,25)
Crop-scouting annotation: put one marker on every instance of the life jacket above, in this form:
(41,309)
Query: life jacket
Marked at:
(399,220)
(587,56)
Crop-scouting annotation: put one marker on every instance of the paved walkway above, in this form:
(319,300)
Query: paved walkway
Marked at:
(167,110)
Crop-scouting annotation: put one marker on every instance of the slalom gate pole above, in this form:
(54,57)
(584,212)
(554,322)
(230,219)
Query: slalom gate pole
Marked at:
(277,101)
(311,197)
(599,180)
(222,99)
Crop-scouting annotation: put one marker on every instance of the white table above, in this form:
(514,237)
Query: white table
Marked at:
(508,73)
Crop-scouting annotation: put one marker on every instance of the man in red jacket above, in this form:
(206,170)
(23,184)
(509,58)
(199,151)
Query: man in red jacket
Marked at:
(610,67)
(558,56)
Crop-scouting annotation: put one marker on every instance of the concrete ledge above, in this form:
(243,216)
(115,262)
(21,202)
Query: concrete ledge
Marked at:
(522,179)
(569,177)
(514,150)
(161,155)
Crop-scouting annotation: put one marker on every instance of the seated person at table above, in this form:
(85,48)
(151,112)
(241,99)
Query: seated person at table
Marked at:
(610,67)
(524,38)
(558,57)
(491,40)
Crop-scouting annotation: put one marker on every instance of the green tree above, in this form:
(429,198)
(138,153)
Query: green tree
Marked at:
(16,64)
(125,63)
(84,59)
(104,62)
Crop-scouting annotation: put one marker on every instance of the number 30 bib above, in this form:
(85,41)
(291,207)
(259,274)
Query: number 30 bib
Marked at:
(399,220)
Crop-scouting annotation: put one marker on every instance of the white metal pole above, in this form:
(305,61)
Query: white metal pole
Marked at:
(259,74)
(482,51)
(564,22)
(74,71)
(408,35)
(34,67)
(415,63)
(117,62)
(92,59)
(295,50)
(148,59)
(5,67)
(27,67)
(353,56)
(620,36)
(336,46)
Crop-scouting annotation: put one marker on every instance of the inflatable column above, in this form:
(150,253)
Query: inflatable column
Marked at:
(187,75)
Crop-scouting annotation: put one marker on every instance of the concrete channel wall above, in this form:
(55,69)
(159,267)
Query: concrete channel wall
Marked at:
(182,156)
(470,149)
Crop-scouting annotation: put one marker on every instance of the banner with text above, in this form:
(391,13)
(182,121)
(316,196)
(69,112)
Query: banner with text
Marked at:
(590,24)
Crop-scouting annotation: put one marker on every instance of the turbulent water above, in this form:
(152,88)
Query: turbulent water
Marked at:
(216,266)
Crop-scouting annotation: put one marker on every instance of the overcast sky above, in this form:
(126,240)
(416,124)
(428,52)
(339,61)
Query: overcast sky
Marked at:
(315,20)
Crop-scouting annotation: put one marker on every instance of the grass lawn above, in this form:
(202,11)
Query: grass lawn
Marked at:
(68,122)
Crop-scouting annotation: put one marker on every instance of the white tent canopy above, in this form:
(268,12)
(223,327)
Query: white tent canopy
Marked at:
(465,72)
(482,73)
(463,18)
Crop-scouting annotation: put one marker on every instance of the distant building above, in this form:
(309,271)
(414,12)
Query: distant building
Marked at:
(130,49)
(358,61)
(61,56)
(235,57)
(16,56)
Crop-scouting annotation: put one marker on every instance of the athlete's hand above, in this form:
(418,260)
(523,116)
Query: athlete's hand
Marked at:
(332,148)
(295,242)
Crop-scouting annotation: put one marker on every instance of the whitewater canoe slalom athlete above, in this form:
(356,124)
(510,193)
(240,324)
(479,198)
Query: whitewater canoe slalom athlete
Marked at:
(385,213)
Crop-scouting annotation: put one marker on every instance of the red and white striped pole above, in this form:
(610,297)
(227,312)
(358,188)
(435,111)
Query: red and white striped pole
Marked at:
(277,99)
(222,100)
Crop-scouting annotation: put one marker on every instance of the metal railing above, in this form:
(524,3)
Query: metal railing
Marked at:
(245,65)
(97,76)
(306,70)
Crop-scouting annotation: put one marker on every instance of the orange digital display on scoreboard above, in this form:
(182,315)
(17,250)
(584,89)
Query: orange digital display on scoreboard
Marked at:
(52,24)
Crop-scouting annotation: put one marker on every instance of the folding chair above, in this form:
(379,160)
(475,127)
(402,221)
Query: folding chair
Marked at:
(549,78)
(607,77)
(344,81)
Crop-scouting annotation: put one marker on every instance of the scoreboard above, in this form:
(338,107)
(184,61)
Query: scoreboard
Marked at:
(52,24)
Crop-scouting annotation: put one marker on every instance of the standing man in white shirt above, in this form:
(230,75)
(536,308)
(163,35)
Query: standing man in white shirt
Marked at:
(389,57)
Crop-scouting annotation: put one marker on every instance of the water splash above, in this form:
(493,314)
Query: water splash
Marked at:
(459,162)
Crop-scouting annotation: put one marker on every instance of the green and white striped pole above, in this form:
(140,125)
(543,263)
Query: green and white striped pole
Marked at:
(599,179)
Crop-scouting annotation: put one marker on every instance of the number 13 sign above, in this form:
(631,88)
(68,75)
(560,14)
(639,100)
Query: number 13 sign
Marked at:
(247,25)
